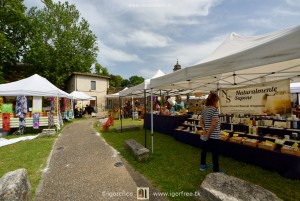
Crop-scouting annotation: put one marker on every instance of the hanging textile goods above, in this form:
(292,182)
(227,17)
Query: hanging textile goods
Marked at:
(21,110)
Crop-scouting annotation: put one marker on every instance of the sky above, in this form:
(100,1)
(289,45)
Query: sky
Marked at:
(139,37)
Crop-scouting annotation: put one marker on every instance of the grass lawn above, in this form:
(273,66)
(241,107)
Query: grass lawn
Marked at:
(30,154)
(174,166)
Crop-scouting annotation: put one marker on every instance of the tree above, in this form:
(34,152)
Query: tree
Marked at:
(115,81)
(100,70)
(132,81)
(135,80)
(13,34)
(60,42)
(126,83)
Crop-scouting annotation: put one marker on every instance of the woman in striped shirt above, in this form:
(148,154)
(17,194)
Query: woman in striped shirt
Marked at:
(211,132)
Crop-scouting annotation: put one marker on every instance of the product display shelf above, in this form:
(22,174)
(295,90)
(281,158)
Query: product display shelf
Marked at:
(190,125)
(287,165)
(265,133)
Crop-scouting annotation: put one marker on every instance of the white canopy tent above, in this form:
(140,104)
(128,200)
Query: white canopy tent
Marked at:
(79,95)
(115,95)
(34,85)
(241,61)
(138,90)
(295,87)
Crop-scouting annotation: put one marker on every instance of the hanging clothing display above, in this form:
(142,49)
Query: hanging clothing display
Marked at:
(36,120)
(6,121)
(65,104)
(21,110)
(51,113)
(18,105)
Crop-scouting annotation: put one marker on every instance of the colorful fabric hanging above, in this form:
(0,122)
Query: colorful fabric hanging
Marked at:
(24,104)
(22,120)
(65,104)
(55,105)
(51,112)
(18,105)
(67,114)
(36,120)
(6,121)
(52,104)
(68,104)
(21,110)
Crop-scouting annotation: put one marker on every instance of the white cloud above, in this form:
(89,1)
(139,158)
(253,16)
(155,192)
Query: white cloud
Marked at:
(285,13)
(175,11)
(148,39)
(293,2)
(108,56)
(262,22)
(188,54)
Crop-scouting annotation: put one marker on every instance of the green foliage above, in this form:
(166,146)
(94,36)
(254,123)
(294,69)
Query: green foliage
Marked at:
(132,81)
(135,80)
(14,28)
(60,43)
(126,83)
(100,70)
(115,80)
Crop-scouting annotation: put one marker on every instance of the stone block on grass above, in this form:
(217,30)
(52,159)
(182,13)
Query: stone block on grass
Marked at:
(221,187)
(139,151)
(15,185)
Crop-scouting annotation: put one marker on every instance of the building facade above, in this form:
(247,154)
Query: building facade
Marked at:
(93,85)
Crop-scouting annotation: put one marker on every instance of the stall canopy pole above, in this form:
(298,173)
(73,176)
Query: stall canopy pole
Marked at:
(57,114)
(152,120)
(145,105)
(132,105)
(120,111)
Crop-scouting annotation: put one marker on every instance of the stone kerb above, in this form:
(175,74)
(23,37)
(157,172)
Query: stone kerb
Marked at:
(139,151)
(15,185)
(218,186)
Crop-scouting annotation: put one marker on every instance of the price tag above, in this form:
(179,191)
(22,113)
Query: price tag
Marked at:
(235,135)
(295,144)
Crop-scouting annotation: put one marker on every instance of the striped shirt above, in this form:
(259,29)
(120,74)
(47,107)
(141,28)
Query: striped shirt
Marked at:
(208,114)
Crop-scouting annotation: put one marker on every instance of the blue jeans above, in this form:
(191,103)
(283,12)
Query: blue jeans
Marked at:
(212,145)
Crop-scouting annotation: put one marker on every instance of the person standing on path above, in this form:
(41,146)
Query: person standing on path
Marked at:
(211,132)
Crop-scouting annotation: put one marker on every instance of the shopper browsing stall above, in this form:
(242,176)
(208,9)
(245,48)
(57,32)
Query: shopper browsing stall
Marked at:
(211,132)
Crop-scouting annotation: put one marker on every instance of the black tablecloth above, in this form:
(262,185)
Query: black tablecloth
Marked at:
(164,123)
(285,164)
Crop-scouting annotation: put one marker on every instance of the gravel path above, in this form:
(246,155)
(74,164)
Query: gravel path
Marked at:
(81,167)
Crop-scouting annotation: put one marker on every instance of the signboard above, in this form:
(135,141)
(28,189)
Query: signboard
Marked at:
(37,104)
(269,97)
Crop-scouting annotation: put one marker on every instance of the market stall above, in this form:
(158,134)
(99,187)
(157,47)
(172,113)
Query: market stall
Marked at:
(164,123)
(34,88)
(240,69)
